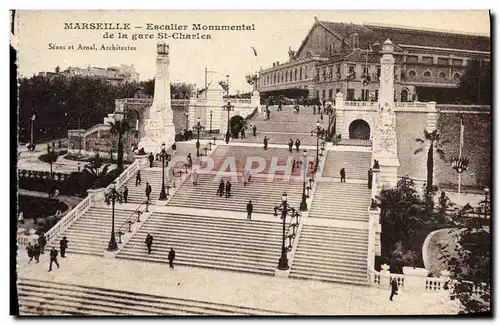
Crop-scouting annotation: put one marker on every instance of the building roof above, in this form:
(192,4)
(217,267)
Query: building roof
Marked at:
(369,34)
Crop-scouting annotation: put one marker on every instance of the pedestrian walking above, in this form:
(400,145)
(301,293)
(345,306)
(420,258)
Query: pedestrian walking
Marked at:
(171,258)
(342,175)
(194,177)
(249,210)
(148,190)
(21,217)
(280,108)
(246,177)
(29,250)
(138,178)
(42,241)
(297,145)
(243,133)
(53,258)
(220,190)
(190,160)
(151,159)
(370,178)
(394,288)
(228,189)
(321,116)
(266,142)
(63,245)
(268,114)
(125,195)
(290,145)
(319,109)
(36,252)
(149,242)
(254,130)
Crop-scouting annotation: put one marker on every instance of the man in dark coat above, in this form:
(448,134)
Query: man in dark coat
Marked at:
(290,145)
(63,245)
(342,175)
(243,133)
(297,144)
(151,158)
(314,109)
(266,142)
(394,288)
(190,160)
(149,242)
(148,190)
(254,130)
(29,250)
(171,258)
(42,241)
(228,189)
(370,178)
(36,252)
(220,190)
(53,258)
(138,178)
(249,210)
(125,196)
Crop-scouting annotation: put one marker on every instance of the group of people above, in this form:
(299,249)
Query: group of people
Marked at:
(34,251)
(290,145)
(224,188)
(171,253)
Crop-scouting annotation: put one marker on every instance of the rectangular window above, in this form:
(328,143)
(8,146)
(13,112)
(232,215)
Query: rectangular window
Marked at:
(376,94)
(337,91)
(330,93)
(364,94)
(305,72)
(456,62)
(350,94)
(411,58)
(442,61)
(323,94)
(427,59)
(317,93)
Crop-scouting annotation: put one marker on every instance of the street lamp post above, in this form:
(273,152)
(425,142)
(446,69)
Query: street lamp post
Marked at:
(486,202)
(163,155)
(199,128)
(303,204)
(187,126)
(211,122)
(110,198)
(32,131)
(318,132)
(228,107)
(285,209)
(460,165)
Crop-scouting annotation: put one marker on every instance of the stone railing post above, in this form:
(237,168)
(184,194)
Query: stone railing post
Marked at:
(415,278)
(385,276)
(374,216)
(375,186)
(340,116)
(432,117)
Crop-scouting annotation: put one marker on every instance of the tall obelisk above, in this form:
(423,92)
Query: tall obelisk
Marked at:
(159,124)
(385,145)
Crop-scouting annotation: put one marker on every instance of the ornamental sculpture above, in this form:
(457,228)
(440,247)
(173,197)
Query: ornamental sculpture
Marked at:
(162,48)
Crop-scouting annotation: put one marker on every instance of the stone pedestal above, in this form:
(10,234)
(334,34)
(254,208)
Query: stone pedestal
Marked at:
(282,273)
(385,276)
(415,278)
(388,175)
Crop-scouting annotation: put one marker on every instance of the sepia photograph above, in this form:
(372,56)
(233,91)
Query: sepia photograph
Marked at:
(251,162)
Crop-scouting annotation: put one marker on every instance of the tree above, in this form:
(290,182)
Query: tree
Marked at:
(405,221)
(98,173)
(471,270)
(475,83)
(434,143)
(120,128)
(51,158)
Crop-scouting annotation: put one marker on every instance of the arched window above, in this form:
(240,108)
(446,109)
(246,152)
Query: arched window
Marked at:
(286,76)
(291,75)
(427,74)
(295,79)
(412,73)
(456,75)
(274,74)
(442,75)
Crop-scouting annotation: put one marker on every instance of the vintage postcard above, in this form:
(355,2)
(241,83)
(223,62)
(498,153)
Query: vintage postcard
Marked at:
(240,163)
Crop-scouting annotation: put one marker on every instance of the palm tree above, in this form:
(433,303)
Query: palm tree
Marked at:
(120,128)
(432,139)
(97,172)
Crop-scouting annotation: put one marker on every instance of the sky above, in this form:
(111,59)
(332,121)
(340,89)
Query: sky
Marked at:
(227,52)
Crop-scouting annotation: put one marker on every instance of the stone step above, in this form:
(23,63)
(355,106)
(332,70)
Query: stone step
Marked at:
(336,278)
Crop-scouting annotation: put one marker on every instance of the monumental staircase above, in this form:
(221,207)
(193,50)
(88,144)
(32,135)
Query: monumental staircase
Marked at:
(212,242)
(284,125)
(331,254)
(42,297)
(90,233)
(355,163)
(240,154)
(265,194)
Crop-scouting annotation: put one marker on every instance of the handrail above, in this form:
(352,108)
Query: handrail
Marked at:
(138,212)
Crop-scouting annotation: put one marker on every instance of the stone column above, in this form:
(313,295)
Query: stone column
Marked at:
(340,116)
(159,126)
(384,138)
